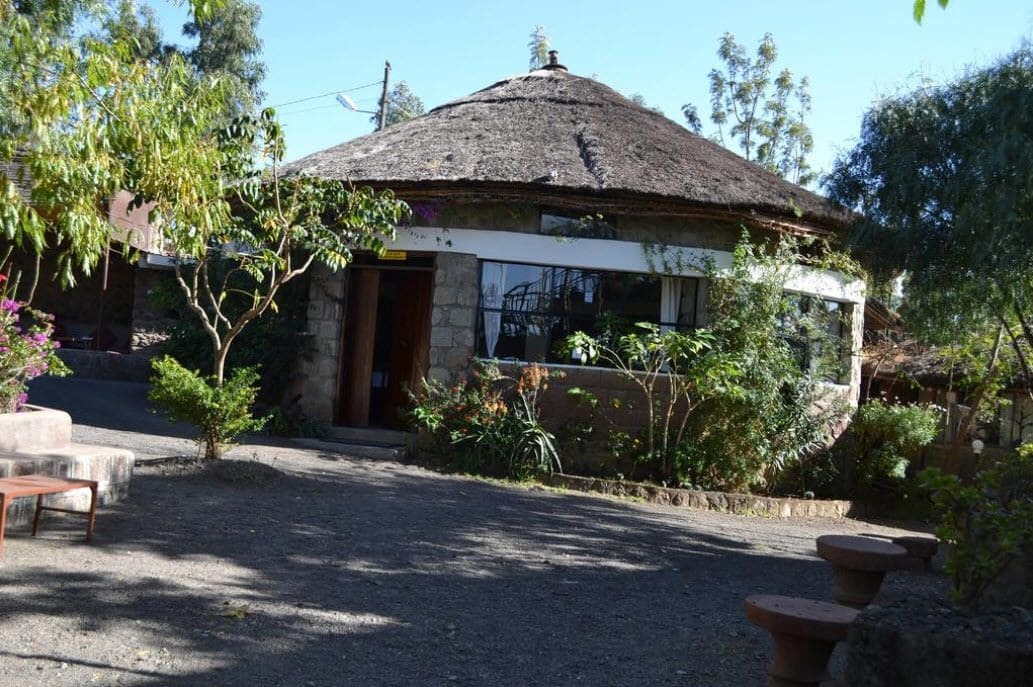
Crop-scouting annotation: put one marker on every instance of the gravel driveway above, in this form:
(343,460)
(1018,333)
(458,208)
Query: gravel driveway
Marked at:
(356,572)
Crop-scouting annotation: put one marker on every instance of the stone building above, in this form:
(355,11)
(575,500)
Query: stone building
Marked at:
(540,203)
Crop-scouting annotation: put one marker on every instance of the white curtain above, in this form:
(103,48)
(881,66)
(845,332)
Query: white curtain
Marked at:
(670,302)
(493,280)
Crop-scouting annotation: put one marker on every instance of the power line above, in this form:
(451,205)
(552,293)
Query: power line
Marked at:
(308,109)
(324,95)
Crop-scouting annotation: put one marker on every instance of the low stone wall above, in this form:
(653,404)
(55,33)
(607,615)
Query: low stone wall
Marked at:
(919,642)
(742,504)
(122,367)
(37,442)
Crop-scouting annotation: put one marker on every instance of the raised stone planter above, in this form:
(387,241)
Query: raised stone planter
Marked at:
(922,642)
(39,441)
(743,504)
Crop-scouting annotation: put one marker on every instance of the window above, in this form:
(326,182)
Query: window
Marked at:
(816,330)
(588,226)
(526,311)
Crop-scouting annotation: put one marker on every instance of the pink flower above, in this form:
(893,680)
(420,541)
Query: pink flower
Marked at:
(7,305)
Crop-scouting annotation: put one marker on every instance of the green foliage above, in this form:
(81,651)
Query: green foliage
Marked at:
(675,372)
(781,414)
(990,522)
(27,350)
(272,343)
(918,10)
(228,46)
(220,411)
(886,438)
(942,179)
(489,423)
(538,45)
(738,405)
(402,105)
(764,113)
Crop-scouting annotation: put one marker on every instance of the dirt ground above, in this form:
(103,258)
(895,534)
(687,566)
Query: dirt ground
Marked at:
(355,572)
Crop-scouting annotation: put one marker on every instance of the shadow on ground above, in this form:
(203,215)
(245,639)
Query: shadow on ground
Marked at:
(382,575)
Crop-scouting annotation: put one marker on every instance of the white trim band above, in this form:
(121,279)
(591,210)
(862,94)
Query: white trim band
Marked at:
(608,254)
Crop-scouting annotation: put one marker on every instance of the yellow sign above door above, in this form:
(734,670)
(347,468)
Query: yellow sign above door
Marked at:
(394,255)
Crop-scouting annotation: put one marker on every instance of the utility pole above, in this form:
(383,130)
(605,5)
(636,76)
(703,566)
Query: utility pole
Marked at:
(383,97)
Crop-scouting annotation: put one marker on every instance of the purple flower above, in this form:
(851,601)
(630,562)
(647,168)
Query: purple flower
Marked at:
(7,305)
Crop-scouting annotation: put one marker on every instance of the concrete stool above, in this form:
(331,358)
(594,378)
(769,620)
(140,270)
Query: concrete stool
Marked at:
(804,632)
(919,549)
(859,564)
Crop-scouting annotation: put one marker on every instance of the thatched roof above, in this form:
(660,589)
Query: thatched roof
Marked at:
(550,130)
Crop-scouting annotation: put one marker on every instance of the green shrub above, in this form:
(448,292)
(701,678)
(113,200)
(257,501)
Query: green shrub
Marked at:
(272,343)
(886,438)
(221,413)
(488,423)
(990,522)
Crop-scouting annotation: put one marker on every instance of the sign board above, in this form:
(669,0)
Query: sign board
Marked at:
(394,255)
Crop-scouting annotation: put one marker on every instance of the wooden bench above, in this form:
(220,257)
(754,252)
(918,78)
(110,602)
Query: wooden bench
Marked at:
(39,486)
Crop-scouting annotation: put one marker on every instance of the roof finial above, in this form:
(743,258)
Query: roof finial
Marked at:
(554,61)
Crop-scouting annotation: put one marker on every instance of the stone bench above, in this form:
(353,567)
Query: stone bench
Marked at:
(859,565)
(804,632)
(38,442)
(920,550)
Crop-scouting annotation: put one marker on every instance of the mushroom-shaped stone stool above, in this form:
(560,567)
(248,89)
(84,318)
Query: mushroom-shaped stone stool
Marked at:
(859,564)
(804,631)
(920,549)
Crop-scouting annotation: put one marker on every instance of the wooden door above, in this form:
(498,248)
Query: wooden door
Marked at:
(410,342)
(357,347)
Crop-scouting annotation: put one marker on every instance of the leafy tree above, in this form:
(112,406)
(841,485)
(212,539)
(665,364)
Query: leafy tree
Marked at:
(942,179)
(98,120)
(228,45)
(778,416)
(539,46)
(761,113)
(402,105)
(675,372)
(137,28)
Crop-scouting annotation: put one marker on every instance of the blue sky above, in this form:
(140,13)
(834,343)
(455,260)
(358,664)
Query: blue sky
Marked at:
(853,51)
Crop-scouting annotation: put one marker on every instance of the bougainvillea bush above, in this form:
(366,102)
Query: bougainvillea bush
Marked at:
(26,349)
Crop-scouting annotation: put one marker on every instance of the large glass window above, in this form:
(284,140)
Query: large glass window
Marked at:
(816,329)
(526,311)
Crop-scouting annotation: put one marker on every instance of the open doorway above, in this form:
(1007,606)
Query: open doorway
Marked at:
(385,340)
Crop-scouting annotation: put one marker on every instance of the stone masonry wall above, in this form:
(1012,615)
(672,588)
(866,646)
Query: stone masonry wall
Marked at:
(452,320)
(149,324)
(318,369)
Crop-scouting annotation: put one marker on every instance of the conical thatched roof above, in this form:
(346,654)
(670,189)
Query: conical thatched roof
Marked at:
(551,130)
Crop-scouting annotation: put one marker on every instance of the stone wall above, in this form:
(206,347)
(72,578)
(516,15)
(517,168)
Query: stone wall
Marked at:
(453,314)
(150,325)
(526,218)
(318,369)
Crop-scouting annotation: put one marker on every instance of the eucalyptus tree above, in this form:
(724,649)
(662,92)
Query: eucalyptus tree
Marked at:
(538,45)
(402,105)
(757,111)
(228,44)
